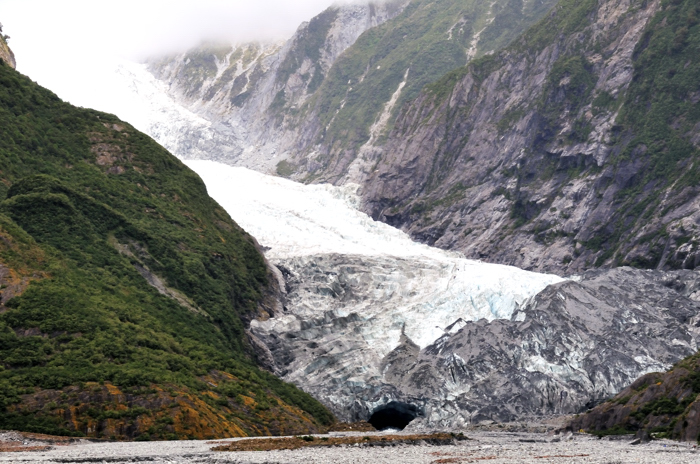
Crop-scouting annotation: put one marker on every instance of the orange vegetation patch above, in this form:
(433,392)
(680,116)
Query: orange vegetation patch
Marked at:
(291,443)
(165,412)
(248,401)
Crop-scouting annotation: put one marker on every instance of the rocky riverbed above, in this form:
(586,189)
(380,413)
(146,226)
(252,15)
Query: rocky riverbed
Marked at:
(484,445)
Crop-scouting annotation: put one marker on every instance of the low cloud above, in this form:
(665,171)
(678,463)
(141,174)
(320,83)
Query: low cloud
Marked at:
(64,44)
(138,28)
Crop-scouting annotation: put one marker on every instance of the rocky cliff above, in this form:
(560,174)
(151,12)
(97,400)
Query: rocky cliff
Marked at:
(309,107)
(6,54)
(575,147)
(247,91)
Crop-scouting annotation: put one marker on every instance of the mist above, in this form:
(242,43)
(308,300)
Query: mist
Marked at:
(136,29)
(61,44)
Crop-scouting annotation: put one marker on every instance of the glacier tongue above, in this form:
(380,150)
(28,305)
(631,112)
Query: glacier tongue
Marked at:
(372,319)
(357,290)
(416,289)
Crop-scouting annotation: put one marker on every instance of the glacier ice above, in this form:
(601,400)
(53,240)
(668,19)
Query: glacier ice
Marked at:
(428,290)
(357,289)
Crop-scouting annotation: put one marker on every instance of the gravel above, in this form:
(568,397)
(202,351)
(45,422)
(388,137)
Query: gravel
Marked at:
(493,447)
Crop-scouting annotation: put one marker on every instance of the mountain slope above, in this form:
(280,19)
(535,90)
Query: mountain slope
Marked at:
(388,65)
(247,90)
(125,288)
(577,146)
(305,108)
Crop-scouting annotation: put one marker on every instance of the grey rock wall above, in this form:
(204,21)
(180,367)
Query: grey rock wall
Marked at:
(240,88)
(517,160)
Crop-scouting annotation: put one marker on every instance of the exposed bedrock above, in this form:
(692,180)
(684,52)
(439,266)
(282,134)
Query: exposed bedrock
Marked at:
(564,350)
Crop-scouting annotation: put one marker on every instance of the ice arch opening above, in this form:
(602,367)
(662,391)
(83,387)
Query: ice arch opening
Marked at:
(393,415)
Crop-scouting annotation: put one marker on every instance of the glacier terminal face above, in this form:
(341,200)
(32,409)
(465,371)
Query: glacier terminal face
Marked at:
(357,289)
(373,319)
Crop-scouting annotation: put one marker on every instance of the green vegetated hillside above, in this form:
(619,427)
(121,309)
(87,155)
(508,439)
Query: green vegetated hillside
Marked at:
(123,287)
(657,405)
(427,40)
(577,146)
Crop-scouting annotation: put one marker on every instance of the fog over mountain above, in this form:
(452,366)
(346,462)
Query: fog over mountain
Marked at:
(136,28)
(86,33)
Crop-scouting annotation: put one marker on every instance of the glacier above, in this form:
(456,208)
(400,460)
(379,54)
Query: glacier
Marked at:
(426,290)
(356,290)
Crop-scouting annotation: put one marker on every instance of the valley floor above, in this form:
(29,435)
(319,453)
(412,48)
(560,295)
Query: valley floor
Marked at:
(491,446)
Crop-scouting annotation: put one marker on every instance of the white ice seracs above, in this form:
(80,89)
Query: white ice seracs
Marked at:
(439,287)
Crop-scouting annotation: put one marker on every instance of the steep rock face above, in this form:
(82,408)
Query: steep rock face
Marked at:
(242,89)
(574,147)
(357,103)
(562,351)
(317,107)
(6,54)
